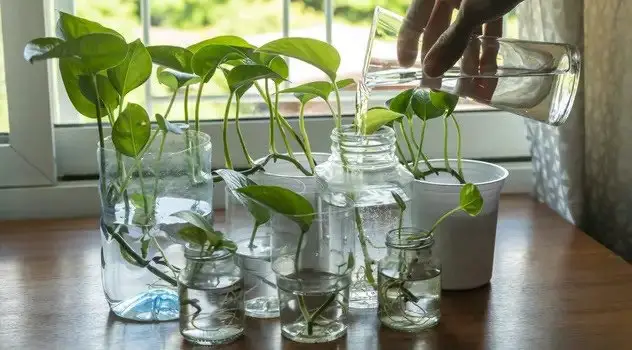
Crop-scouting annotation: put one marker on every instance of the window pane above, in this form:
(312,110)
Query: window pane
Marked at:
(4,114)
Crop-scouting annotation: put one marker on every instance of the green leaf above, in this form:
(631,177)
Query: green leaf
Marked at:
(235,180)
(279,66)
(376,118)
(315,52)
(443,100)
(138,201)
(131,131)
(195,219)
(423,106)
(401,102)
(144,247)
(206,60)
(127,257)
(283,201)
(193,234)
(166,126)
(97,51)
(245,74)
(309,91)
(71,70)
(72,27)
(400,202)
(174,57)
(226,40)
(470,199)
(133,71)
(228,245)
(175,79)
(107,94)
(40,47)
(341,84)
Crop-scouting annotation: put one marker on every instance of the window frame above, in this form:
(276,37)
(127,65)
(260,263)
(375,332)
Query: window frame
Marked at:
(28,157)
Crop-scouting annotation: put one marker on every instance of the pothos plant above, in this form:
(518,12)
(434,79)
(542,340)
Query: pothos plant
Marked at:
(300,211)
(395,288)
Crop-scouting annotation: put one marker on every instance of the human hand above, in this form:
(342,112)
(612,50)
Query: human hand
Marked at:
(444,43)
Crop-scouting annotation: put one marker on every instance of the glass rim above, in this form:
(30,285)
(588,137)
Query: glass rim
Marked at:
(316,214)
(289,258)
(193,253)
(400,239)
(349,133)
(503,174)
(297,181)
(205,139)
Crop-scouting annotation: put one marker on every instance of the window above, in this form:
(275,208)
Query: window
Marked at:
(35,157)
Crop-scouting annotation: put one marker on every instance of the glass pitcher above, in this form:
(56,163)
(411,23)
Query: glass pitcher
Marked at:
(536,80)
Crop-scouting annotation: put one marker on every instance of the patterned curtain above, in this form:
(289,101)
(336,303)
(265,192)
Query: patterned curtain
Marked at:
(583,169)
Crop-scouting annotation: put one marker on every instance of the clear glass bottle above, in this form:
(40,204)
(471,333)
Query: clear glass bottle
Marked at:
(364,169)
(211,292)
(409,281)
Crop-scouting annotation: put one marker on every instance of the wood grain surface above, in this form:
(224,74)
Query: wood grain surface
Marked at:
(553,288)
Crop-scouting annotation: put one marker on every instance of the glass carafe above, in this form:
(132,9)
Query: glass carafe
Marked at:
(537,80)
(366,171)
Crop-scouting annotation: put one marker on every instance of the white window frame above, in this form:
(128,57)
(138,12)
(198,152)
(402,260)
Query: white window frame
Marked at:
(27,159)
(39,158)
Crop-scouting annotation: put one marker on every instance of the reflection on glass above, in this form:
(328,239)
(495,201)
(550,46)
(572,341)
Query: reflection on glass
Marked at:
(4,114)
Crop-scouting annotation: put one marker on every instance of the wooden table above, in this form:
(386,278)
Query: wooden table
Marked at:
(553,288)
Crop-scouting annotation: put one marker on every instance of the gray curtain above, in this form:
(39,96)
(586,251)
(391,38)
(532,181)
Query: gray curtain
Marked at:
(583,169)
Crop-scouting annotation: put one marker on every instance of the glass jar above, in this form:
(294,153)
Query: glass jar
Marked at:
(409,282)
(313,272)
(253,253)
(140,253)
(365,170)
(211,292)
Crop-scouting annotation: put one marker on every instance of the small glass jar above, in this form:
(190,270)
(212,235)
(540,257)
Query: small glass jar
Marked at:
(409,282)
(365,170)
(211,292)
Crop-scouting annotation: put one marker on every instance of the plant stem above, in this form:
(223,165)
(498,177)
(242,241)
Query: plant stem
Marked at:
(402,157)
(320,310)
(458,145)
(186,132)
(164,256)
(436,224)
(403,131)
(420,153)
(227,160)
(450,171)
(298,252)
(445,142)
(197,106)
(252,235)
(412,132)
(338,105)
(301,126)
(278,120)
(368,268)
(101,138)
(272,146)
(239,134)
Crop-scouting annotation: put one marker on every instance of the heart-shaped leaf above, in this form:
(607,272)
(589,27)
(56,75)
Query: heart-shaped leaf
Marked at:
(315,52)
(166,126)
(72,27)
(308,91)
(195,219)
(443,100)
(246,74)
(174,57)
(470,199)
(283,201)
(133,71)
(131,131)
(175,79)
(423,106)
(98,51)
(376,118)
(341,84)
(138,200)
(71,70)
(109,98)
(225,40)
(279,66)
(193,234)
(206,60)
(234,180)
(401,102)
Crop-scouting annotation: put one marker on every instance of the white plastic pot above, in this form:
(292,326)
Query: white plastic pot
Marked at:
(465,243)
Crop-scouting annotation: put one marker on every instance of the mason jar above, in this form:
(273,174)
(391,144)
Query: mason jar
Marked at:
(365,170)
(409,281)
(211,292)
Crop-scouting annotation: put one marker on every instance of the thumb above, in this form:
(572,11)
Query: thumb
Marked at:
(448,48)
